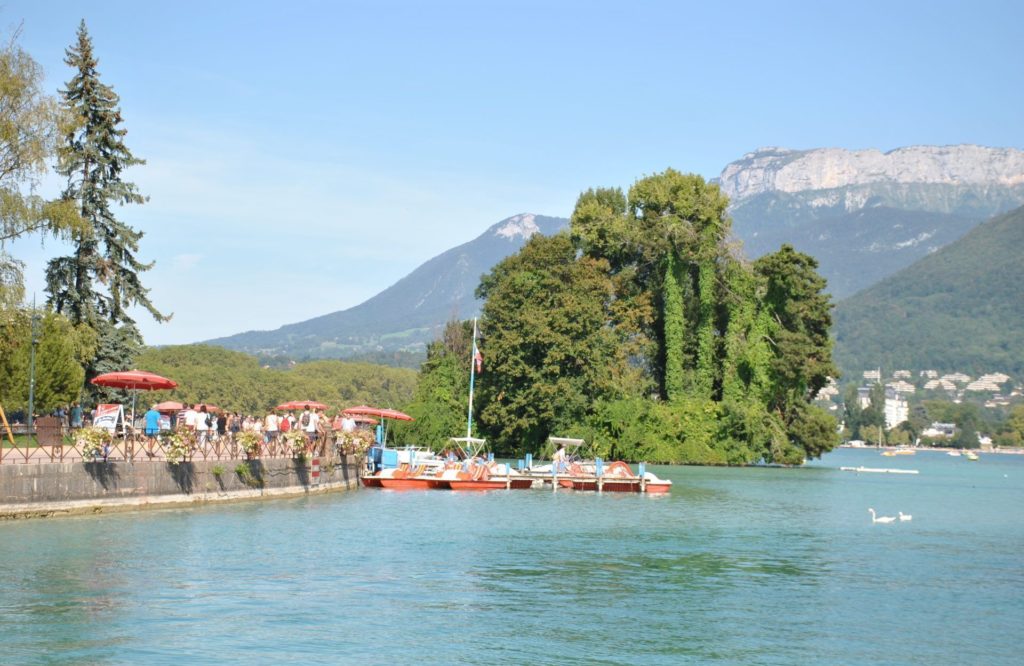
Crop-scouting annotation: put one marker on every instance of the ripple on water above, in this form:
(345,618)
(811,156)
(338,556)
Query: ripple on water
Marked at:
(736,565)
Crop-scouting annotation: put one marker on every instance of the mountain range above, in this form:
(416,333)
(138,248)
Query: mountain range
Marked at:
(865,215)
(408,314)
(959,309)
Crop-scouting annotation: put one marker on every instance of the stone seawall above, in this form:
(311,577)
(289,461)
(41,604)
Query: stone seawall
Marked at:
(48,489)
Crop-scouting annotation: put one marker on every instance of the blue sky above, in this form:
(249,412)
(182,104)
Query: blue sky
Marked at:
(303,156)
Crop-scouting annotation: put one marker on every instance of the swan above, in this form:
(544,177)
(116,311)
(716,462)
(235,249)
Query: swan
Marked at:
(882,519)
(904,517)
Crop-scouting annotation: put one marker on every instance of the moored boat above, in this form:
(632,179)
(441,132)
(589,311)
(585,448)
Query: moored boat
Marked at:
(619,478)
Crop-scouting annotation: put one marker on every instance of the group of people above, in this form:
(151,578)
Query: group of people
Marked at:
(210,426)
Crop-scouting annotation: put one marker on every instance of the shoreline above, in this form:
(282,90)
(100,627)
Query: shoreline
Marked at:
(88,507)
(944,449)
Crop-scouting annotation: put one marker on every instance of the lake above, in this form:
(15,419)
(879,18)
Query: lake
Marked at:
(752,565)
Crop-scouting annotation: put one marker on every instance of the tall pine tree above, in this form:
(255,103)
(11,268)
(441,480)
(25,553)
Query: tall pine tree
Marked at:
(99,282)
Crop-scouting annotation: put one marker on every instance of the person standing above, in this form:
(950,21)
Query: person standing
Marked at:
(222,425)
(191,416)
(152,419)
(202,422)
(271,425)
(558,460)
(76,416)
(308,423)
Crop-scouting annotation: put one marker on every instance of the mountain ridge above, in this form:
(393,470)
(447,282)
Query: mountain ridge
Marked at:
(409,313)
(871,222)
(958,309)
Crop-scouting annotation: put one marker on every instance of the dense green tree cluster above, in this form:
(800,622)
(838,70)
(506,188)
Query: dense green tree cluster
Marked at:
(236,381)
(646,330)
(61,353)
(439,405)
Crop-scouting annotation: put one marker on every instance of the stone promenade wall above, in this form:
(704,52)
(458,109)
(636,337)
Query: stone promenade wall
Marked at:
(47,489)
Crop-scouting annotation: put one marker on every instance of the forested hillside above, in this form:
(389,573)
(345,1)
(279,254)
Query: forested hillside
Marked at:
(236,381)
(961,308)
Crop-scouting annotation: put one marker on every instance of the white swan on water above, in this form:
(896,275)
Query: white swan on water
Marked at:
(904,517)
(881,519)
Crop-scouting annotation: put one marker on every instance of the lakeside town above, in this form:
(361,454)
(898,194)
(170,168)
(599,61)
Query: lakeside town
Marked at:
(901,399)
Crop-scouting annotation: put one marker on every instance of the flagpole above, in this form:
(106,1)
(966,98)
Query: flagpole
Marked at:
(472,376)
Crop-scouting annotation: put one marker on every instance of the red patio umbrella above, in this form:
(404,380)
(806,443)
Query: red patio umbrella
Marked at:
(301,404)
(213,409)
(134,381)
(366,410)
(169,407)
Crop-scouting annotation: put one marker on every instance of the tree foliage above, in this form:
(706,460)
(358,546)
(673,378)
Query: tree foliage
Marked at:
(549,350)
(236,381)
(648,330)
(99,282)
(29,122)
(61,354)
(439,405)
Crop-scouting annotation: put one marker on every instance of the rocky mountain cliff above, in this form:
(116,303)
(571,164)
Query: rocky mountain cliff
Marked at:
(867,214)
(784,170)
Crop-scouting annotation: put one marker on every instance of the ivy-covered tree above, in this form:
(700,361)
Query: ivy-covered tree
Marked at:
(100,281)
(668,222)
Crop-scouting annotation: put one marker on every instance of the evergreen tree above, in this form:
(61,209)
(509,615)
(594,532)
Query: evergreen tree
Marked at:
(100,281)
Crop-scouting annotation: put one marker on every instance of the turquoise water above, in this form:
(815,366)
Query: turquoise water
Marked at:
(768,566)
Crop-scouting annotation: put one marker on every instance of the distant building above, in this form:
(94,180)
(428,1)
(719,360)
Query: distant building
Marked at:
(940,385)
(957,378)
(902,387)
(828,391)
(896,409)
(929,374)
(901,374)
(864,397)
(872,375)
(939,430)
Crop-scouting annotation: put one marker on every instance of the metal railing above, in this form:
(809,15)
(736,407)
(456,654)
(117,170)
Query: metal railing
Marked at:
(137,447)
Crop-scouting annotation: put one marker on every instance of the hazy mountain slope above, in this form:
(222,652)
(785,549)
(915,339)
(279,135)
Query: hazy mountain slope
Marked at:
(961,308)
(406,315)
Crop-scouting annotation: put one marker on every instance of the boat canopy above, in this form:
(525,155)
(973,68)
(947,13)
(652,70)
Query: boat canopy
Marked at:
(567,441)
(469,446)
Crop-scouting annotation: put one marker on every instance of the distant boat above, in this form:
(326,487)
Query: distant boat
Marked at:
(955,454)
(970,455)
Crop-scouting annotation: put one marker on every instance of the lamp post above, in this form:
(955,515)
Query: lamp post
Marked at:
(32,366)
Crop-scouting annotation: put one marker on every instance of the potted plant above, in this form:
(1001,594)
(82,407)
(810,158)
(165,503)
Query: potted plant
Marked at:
(180,445)
(94,442)
(297,442)
(250,442)
(357,442)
